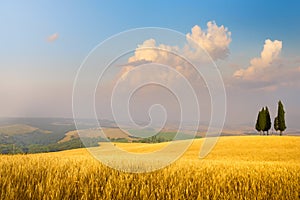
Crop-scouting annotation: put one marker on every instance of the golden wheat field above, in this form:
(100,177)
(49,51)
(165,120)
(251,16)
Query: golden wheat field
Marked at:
(241,167)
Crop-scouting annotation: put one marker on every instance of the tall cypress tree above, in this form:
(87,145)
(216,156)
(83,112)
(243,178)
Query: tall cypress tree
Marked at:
(257,127)
(281,118)
(262,120)
(268,120)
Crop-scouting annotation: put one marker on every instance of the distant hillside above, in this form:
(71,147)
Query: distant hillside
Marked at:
(16,129)
(22,135)
(28,135)
(112,133)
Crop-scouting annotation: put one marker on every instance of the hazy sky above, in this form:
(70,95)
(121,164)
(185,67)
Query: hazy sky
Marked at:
(254,43)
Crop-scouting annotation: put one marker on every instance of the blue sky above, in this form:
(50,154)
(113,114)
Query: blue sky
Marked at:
(25,24)
(31,66)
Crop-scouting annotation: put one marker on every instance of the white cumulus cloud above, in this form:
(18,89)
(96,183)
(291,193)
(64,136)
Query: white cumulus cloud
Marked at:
(215,40)
(268,56)
(268,72)
(152,52)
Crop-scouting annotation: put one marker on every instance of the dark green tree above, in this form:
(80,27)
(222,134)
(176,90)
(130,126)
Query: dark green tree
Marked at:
(262,120)
(281,118)
(276,125)
(257,127)
(268,120)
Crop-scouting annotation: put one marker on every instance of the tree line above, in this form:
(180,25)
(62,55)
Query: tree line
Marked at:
(53,147)
(264,124)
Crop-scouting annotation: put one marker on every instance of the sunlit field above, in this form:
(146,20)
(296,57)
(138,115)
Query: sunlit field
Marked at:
(240,167)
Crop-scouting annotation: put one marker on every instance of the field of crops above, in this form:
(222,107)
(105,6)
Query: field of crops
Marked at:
(241,167)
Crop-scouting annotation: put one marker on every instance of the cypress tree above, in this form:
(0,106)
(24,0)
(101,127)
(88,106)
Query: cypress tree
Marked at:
(281,118)
(262,120)
(268,120)
(257,127)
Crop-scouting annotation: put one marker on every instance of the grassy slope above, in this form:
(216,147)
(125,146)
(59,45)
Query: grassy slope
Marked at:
(238,168)
(93,132)
(16,129)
